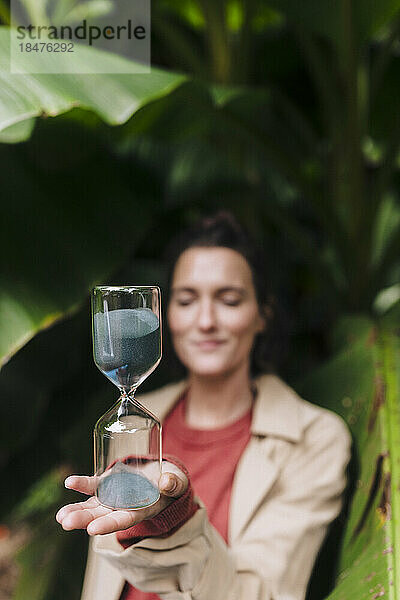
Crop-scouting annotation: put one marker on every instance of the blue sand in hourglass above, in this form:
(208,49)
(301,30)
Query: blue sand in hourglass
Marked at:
(124,489)
(126,344)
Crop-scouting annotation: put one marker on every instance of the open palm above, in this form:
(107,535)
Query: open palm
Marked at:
(99,520)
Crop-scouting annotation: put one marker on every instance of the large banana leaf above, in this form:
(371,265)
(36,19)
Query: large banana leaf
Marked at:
(362,383)
(113,97)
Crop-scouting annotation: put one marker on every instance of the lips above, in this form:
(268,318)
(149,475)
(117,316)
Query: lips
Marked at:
(210,344)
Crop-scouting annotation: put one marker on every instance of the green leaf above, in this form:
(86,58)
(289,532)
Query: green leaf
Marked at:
(41,497)
(187,10)
(327,18)
(113,97)
(350,329)
(362,383)
(67,12)
(387,299)
(67,221)
(20,132)
(41,561)
(386,227)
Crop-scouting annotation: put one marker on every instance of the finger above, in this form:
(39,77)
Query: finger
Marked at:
(81,483)
(80,519)
(179,483)
(117,520)
(68,508)
(172,485)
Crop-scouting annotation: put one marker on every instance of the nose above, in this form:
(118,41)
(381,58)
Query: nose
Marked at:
(206,317)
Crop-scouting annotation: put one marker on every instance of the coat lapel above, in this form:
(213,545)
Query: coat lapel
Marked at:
(255,475)
(276,416)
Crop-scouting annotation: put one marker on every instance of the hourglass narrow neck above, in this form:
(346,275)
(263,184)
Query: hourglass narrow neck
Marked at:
(129,397)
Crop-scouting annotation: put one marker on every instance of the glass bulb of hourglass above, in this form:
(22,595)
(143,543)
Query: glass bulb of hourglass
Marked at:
(127,348)
(127,345)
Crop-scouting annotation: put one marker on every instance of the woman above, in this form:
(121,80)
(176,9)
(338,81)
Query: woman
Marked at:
(267,467)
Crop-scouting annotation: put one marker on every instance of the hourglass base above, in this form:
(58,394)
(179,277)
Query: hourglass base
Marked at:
(127,491)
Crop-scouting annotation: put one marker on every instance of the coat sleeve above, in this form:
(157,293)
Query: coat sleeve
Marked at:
(273,558)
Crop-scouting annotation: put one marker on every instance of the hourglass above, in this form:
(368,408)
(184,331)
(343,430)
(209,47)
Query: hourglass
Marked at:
(126,326)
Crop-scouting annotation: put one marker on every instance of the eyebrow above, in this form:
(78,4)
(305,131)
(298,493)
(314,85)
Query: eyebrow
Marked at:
(223,290)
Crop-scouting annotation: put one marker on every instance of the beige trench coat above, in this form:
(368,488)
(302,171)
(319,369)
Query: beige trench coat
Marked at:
(287,489)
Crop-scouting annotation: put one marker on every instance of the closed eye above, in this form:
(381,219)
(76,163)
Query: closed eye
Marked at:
(231,301)
(231,297)
(184,302)
(184,297)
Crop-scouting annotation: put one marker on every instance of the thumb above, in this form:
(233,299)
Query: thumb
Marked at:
(81,483)
(172,485)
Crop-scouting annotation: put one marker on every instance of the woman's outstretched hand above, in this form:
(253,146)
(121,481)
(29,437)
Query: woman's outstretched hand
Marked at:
(99,520)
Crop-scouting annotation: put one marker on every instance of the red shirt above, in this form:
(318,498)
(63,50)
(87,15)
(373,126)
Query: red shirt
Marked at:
(211,457)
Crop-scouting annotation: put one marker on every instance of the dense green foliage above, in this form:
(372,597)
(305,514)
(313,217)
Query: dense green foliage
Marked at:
(362,383)
(287,114)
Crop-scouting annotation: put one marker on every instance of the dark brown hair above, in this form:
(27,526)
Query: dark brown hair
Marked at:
(223,230)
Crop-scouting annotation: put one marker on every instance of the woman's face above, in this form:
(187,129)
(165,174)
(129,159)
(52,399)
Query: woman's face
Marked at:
(213,313)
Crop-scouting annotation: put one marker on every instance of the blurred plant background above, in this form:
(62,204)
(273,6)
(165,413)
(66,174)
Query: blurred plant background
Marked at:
(285,113)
